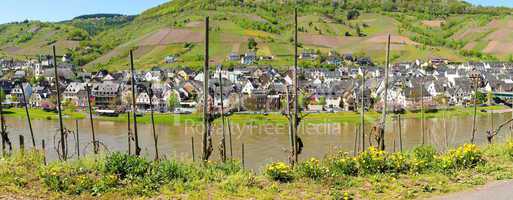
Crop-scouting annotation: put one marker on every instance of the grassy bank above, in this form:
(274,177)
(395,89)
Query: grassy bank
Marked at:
(272,118)
(373,174)
(41,114)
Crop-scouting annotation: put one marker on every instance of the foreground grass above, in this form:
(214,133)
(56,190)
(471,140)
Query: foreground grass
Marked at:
(256,119)
(371,175)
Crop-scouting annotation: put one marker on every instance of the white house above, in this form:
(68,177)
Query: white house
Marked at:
(226,101)
(142,101)
(18,94)
(108,77)
(199,77)
(77,93)
(248,88)
(153,76)
(35,100)
(317,81)
(38,70)
(47,62)
(66,59)
(288,80)
(333,101)
(452,74)
(159,104)
(436,88)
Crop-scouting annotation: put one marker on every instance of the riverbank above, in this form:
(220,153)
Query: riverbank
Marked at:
(271,118)
(420,173)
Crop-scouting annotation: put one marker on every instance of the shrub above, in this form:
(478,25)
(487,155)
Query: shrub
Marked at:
(423,158)
(466,156)
(67,178)
(55,178)
(279,172)
(311,169)
(79,184)
(105,184)
(426,153)
(126,166)
(372,161)
(227,168)
(344,165)
(234,183)
(397,163)
(216,171)
(166,171)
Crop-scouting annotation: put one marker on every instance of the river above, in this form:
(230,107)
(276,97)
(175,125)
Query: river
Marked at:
(263,143)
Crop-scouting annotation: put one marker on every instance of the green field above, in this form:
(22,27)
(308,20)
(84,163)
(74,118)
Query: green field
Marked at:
(272,118)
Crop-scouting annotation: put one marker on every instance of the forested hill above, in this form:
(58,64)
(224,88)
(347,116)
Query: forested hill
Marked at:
(420,29)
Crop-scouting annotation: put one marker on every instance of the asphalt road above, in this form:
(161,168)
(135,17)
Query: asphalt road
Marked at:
(500,190)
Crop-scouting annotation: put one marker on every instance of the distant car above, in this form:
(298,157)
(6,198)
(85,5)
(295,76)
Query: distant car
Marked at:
(107,113)
(182,112)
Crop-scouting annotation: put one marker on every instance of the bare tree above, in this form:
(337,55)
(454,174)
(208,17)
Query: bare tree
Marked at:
(298,144)
(64,155)
(379,129)
(207,119)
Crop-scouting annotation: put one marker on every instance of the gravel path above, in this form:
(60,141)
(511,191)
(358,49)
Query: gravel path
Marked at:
(500,190)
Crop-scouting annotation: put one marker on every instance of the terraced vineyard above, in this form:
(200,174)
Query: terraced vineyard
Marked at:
(449,29)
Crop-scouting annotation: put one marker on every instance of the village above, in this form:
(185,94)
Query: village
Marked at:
(251,88)
(245,99)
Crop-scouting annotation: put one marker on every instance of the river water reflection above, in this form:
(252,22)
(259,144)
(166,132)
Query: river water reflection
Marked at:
(263,143)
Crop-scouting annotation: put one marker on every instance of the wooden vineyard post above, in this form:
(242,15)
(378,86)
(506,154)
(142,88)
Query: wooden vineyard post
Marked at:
(22,144)
(78,139)
(223,140)
(206,127)
(129,135)
(90,108)
(43,146)
(400,133)
(59,109)
(155,137)
(230,138)
(362,111)
(134,106)
(242,155)
(28,115)
(192,147)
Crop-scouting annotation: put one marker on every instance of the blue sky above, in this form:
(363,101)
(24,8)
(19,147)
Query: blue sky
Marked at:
(508,3)
(58,10)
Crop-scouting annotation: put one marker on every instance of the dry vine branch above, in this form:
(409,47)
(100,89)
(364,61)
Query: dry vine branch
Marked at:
(492,133)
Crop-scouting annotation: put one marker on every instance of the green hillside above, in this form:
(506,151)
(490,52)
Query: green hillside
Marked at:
(420,30)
